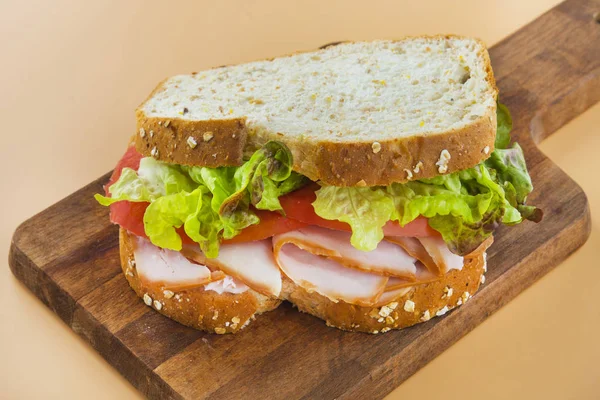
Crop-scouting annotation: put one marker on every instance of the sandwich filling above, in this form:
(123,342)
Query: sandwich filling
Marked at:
(230,228)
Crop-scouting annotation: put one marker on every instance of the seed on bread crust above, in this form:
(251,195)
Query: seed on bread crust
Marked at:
(385,311)
(442,311)
(418,167)
(466,296)
(191,142)
(426,316)
(207,136)
(448,291)
(442,162)
(376,146)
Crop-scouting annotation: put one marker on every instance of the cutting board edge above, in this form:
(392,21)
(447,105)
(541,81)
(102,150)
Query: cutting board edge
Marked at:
(79,320)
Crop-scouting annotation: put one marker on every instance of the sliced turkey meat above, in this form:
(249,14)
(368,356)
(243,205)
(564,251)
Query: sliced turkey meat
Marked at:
(328,277)
(441,254)
(396,283)
(423,276)
(388,259)
(168,268)
(250,262)
(415,249)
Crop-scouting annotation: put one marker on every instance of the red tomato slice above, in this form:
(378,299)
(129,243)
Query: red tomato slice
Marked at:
(127,214)
(417,228)
(271,223)
(298,205)
(131,159)
(130,215)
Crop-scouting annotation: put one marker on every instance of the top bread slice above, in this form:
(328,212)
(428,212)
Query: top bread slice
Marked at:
(353,114)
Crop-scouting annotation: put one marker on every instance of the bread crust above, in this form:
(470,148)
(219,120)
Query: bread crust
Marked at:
(198,308)
(359,163)
(453,290)
(212,143)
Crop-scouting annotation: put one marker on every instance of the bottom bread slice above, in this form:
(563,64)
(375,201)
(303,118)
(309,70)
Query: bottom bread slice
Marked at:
(228,313)
(202,309)
(419,304)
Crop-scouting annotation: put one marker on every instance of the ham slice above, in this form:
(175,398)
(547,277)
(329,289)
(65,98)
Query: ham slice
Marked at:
(388,259)
(328,277)
(250,262)
(441,254)
(168,268)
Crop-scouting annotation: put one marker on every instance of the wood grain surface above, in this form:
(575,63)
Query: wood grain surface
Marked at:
(548,73)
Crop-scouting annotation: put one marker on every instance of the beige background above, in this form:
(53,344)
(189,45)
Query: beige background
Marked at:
(71,74)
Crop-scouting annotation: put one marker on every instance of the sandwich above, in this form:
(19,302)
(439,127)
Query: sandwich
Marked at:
(362,182)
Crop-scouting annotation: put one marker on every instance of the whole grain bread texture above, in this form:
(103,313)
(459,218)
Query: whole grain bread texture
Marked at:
(420,304)
(352,114)
(198,308)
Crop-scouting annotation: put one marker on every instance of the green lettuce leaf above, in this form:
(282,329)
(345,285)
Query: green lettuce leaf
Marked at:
(365,209)
(236,214)
(260,181)
(267,176)
(465,206)
(210,204)
(510,168)
(152,180)
(192,210)
(504,126)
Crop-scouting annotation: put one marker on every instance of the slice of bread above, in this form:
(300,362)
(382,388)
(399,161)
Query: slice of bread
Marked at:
(201,309)
(420,304)
(364,113)
(228,313)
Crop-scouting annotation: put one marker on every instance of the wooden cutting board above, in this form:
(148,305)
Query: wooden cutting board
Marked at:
(548,73)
